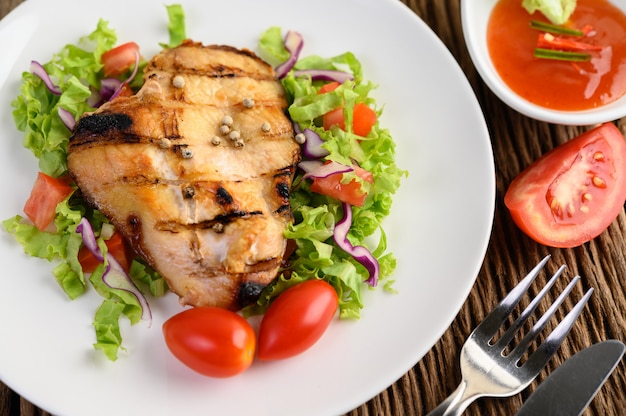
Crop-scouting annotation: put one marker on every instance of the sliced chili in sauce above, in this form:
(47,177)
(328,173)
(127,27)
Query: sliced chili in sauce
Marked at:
(560,85)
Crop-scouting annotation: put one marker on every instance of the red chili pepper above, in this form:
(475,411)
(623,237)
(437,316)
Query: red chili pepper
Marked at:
(550,41)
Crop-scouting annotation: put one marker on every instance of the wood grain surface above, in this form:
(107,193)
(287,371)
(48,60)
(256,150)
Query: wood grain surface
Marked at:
(516,141)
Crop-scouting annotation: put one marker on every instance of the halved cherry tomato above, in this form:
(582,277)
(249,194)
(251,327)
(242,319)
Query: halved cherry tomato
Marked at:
(211,341)
(119,59)
(363,118)
(350,192)
(572,193)
(46,194)
(296,320)
(116,247)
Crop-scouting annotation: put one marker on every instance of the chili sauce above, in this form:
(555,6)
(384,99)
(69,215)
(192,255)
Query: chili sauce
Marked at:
(558,84)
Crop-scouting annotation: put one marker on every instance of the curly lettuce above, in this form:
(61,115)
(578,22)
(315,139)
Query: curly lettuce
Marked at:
(77,71)
(317,256)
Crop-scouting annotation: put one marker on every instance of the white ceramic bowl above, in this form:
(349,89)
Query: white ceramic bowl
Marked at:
(475,16)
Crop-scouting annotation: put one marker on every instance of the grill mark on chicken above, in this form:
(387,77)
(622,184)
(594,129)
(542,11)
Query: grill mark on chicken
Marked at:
(209,217)
(223,197)
(249,292)
(224,219)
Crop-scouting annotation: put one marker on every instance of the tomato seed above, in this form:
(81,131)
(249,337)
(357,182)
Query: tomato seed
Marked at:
(599,182)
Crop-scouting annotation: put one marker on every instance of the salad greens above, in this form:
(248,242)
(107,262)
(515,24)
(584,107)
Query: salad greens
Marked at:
(315,215)
(77,71)
(557,11)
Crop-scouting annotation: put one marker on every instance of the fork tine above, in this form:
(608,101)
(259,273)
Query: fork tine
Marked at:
(553,341)
(519,350)
(492,322)
(506,338)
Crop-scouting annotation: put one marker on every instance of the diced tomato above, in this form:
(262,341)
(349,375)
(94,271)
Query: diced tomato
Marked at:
(46,194)
(363,119)
(120,59)
(126,91)
(116,247)
(331,86)
(350,192)
(572,193)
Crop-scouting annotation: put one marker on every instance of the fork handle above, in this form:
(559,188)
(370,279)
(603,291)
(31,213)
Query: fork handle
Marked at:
(456,403)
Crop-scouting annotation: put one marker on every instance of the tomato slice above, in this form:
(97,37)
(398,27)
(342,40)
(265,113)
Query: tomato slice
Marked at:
(211,341)
(46,194)
(119,59)
(116,247)
(296,320)
(350,192)
(572,193)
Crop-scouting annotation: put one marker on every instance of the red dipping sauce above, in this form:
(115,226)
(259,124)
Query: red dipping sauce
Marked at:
(560,85)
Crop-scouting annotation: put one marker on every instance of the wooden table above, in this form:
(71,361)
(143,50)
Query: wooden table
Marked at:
(516,142)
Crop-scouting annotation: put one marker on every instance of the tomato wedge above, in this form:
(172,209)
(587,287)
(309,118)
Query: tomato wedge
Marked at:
(363,117)
(46,194)
(116,247)
(572,193)
(119,59)
(350,192)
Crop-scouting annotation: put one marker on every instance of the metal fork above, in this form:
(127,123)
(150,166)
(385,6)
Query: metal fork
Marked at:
(486,370)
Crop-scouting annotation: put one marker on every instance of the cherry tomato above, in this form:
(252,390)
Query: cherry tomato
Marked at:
(211,341)
(116,247)
(46,194)
(119,59)
(350,192)
(572,193)
(296,320)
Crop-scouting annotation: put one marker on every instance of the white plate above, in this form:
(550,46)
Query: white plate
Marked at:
(439,228)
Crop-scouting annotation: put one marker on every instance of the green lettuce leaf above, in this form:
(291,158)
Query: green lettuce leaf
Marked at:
(106,325)
(75,69)
(176,25)
(271,46)
(556,11)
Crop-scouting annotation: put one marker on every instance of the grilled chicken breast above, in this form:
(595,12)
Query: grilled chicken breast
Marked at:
(195,171)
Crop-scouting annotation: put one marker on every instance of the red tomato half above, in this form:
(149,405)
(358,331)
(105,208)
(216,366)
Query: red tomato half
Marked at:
(296,320)
(572,193)
(46,194)
(115,246)
(119,59)
(350,192)
(211,341)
